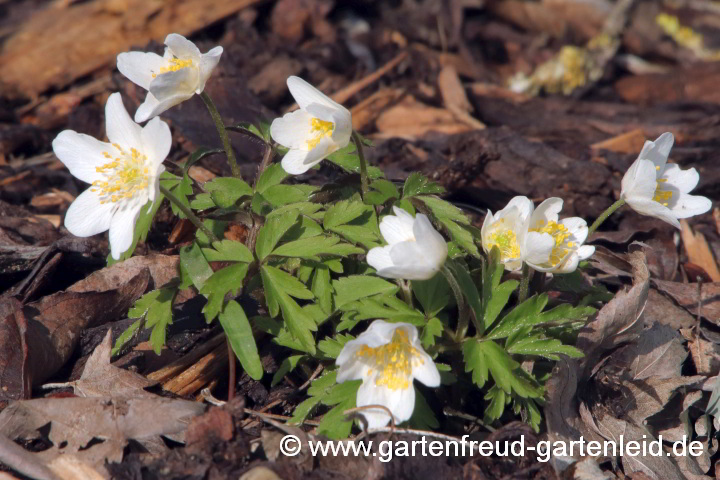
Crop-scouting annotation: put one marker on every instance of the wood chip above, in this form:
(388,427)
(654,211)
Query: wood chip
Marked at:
(630,142)
(77,46)
(411,119)
(699,251)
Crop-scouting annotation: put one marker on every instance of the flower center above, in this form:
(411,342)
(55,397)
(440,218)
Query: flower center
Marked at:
(662,196)
(506,241)
(560,234)
(319,129)
(394,361)
(125,175)
(175,65)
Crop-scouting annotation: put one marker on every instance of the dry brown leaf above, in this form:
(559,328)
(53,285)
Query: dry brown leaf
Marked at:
(15,382)
(699,251)
(365,112)
(686,295)
(411,119)
(74,422)
(658,352)
(101,379)
(452,90)
(77,47)
(630,142)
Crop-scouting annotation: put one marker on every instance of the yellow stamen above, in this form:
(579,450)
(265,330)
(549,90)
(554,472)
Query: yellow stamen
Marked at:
(175,65)
(125,176)
(561,235)
(321,129)
(394,361)
(506,241)
(662,196)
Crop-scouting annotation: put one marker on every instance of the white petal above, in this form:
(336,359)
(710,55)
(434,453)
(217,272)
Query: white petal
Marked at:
(652,208)
(414,261)
(139,67)
(690,205)
(292,130)
(538,247)
(157,140)
(81,154)
(305,94)
(683,180)
(403,404)
(523,205)
(569,265)
(152,107)
(379,258)
(400,402)
(430,242)
(547,211)
(181,47)
(397,228)
(659,150)
(343,128)
(585,252)
(122,228)
(427,373)
(208,62)
(485,230)
(297,161)
(352,369)
(171,84)
(120,127)
(577,227)
(87,216)
(640,180)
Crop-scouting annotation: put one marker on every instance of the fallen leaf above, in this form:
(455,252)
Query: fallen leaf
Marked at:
(14,372)
(630,142)
(102,379)
(699,251)
(686,295)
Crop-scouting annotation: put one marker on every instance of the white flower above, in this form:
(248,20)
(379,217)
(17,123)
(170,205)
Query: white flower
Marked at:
(170,79)
(568,236)
(387,357)
(415,250)
(318,128)
(124,174)
(659,189)
(508,230)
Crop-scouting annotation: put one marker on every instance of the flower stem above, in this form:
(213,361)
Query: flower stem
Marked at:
(463,311)
(604,216)
(363,163)
(220,126)
(527,274)
(189,214)
(406,291)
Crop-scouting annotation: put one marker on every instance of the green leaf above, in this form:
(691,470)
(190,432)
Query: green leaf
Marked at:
(271,233)
(287,366)
(261,131)
(229,279)
(347,159)
(498,299)
(228,251)
(443,209)
(180,188)
(279,195)
(273,175)
(498,399)
(239,333)
(465,281)
(303,410)
(333,424)
(194,265)
(344,212)
(525,314)
(225,191)
(202,201)
(333,346)
(125,337)
(433,328)
(462,236)
(381,191)
(418,184)
(306,247)
(483,356)
(198,155)
(423,416)
(565,313)
(156,307)
(543,347)
(278,288)
(355,287)
(322,288)
(433,294)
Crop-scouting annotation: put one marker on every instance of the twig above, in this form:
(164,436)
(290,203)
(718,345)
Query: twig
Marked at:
(231,371)
(314,375)
(22,461)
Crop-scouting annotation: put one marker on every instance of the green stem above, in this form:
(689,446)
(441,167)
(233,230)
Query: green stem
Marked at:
(220,126)
(189,214)
(463,311)
(406,291)
(363,163)
(604,216)
(527,274)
